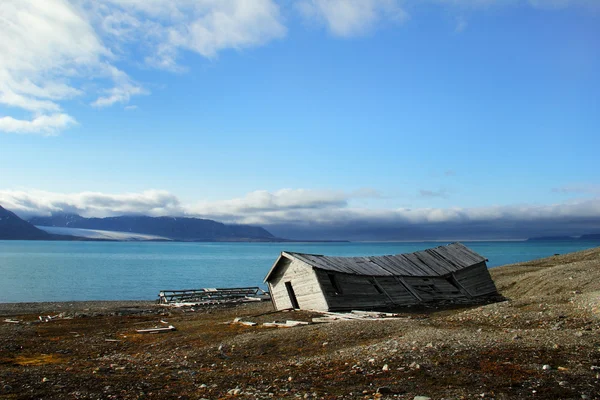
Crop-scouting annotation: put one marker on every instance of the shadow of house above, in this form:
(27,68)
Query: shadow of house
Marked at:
(445,274)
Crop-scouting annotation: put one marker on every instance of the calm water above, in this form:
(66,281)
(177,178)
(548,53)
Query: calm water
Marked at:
(63,271)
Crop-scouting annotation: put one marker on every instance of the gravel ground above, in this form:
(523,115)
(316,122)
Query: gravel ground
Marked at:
(542,343)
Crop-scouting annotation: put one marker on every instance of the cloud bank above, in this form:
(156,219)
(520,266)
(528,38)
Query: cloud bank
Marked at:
(326,214)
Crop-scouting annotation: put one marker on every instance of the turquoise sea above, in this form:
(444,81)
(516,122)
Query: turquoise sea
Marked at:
(33,271)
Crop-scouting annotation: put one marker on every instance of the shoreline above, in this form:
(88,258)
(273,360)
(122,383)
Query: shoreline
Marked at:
(26,308)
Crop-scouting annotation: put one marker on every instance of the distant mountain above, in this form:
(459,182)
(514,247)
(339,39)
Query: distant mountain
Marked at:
(183,229)
(591,236)
(551,238)
(14,228)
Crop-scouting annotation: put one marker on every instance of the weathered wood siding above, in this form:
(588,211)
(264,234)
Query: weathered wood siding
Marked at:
(434,288)
(304,282)
(360,292)
(476,280)
(396,290)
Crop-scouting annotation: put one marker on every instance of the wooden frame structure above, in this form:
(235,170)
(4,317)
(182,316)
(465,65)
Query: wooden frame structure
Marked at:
(212,295)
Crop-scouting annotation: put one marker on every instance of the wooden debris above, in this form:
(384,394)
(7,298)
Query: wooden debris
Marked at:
(192,297)
(12,321)
(286,324)
(112,340)
(156,330)
(355,315)
(238,320)
(375,314)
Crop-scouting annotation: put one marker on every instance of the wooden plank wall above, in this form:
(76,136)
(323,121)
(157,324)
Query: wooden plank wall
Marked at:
(399,294)
(436,288)
(359,292)
(477,280)
(304,282)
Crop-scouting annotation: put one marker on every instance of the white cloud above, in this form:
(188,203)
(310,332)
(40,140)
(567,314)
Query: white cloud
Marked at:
(300,207)
(347,18)
(90,204)
(47,47)
(51,49)
(202,26)
(120,94)
(44,124)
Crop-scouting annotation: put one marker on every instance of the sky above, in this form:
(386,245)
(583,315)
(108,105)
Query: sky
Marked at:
(312,118)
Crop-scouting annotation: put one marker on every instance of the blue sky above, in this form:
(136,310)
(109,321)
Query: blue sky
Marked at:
(270,112)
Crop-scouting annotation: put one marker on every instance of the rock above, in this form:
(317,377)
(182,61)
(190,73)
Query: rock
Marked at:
(385,368)
(234,392)
(384,390)
(371,361)
(421,398)
(45,379)
(546,367)
(563,383)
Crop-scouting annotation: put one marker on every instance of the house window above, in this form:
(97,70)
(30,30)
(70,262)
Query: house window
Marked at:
(334,283)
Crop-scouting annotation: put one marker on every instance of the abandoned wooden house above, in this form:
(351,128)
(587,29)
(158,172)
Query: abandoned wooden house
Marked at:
(446,273)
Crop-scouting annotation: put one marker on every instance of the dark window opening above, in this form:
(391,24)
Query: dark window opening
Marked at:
(334,283)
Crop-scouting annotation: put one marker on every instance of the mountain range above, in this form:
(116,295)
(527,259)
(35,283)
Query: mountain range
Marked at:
(170,228)
(174,228)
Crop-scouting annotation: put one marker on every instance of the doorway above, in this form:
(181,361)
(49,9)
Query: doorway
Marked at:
(293,299)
